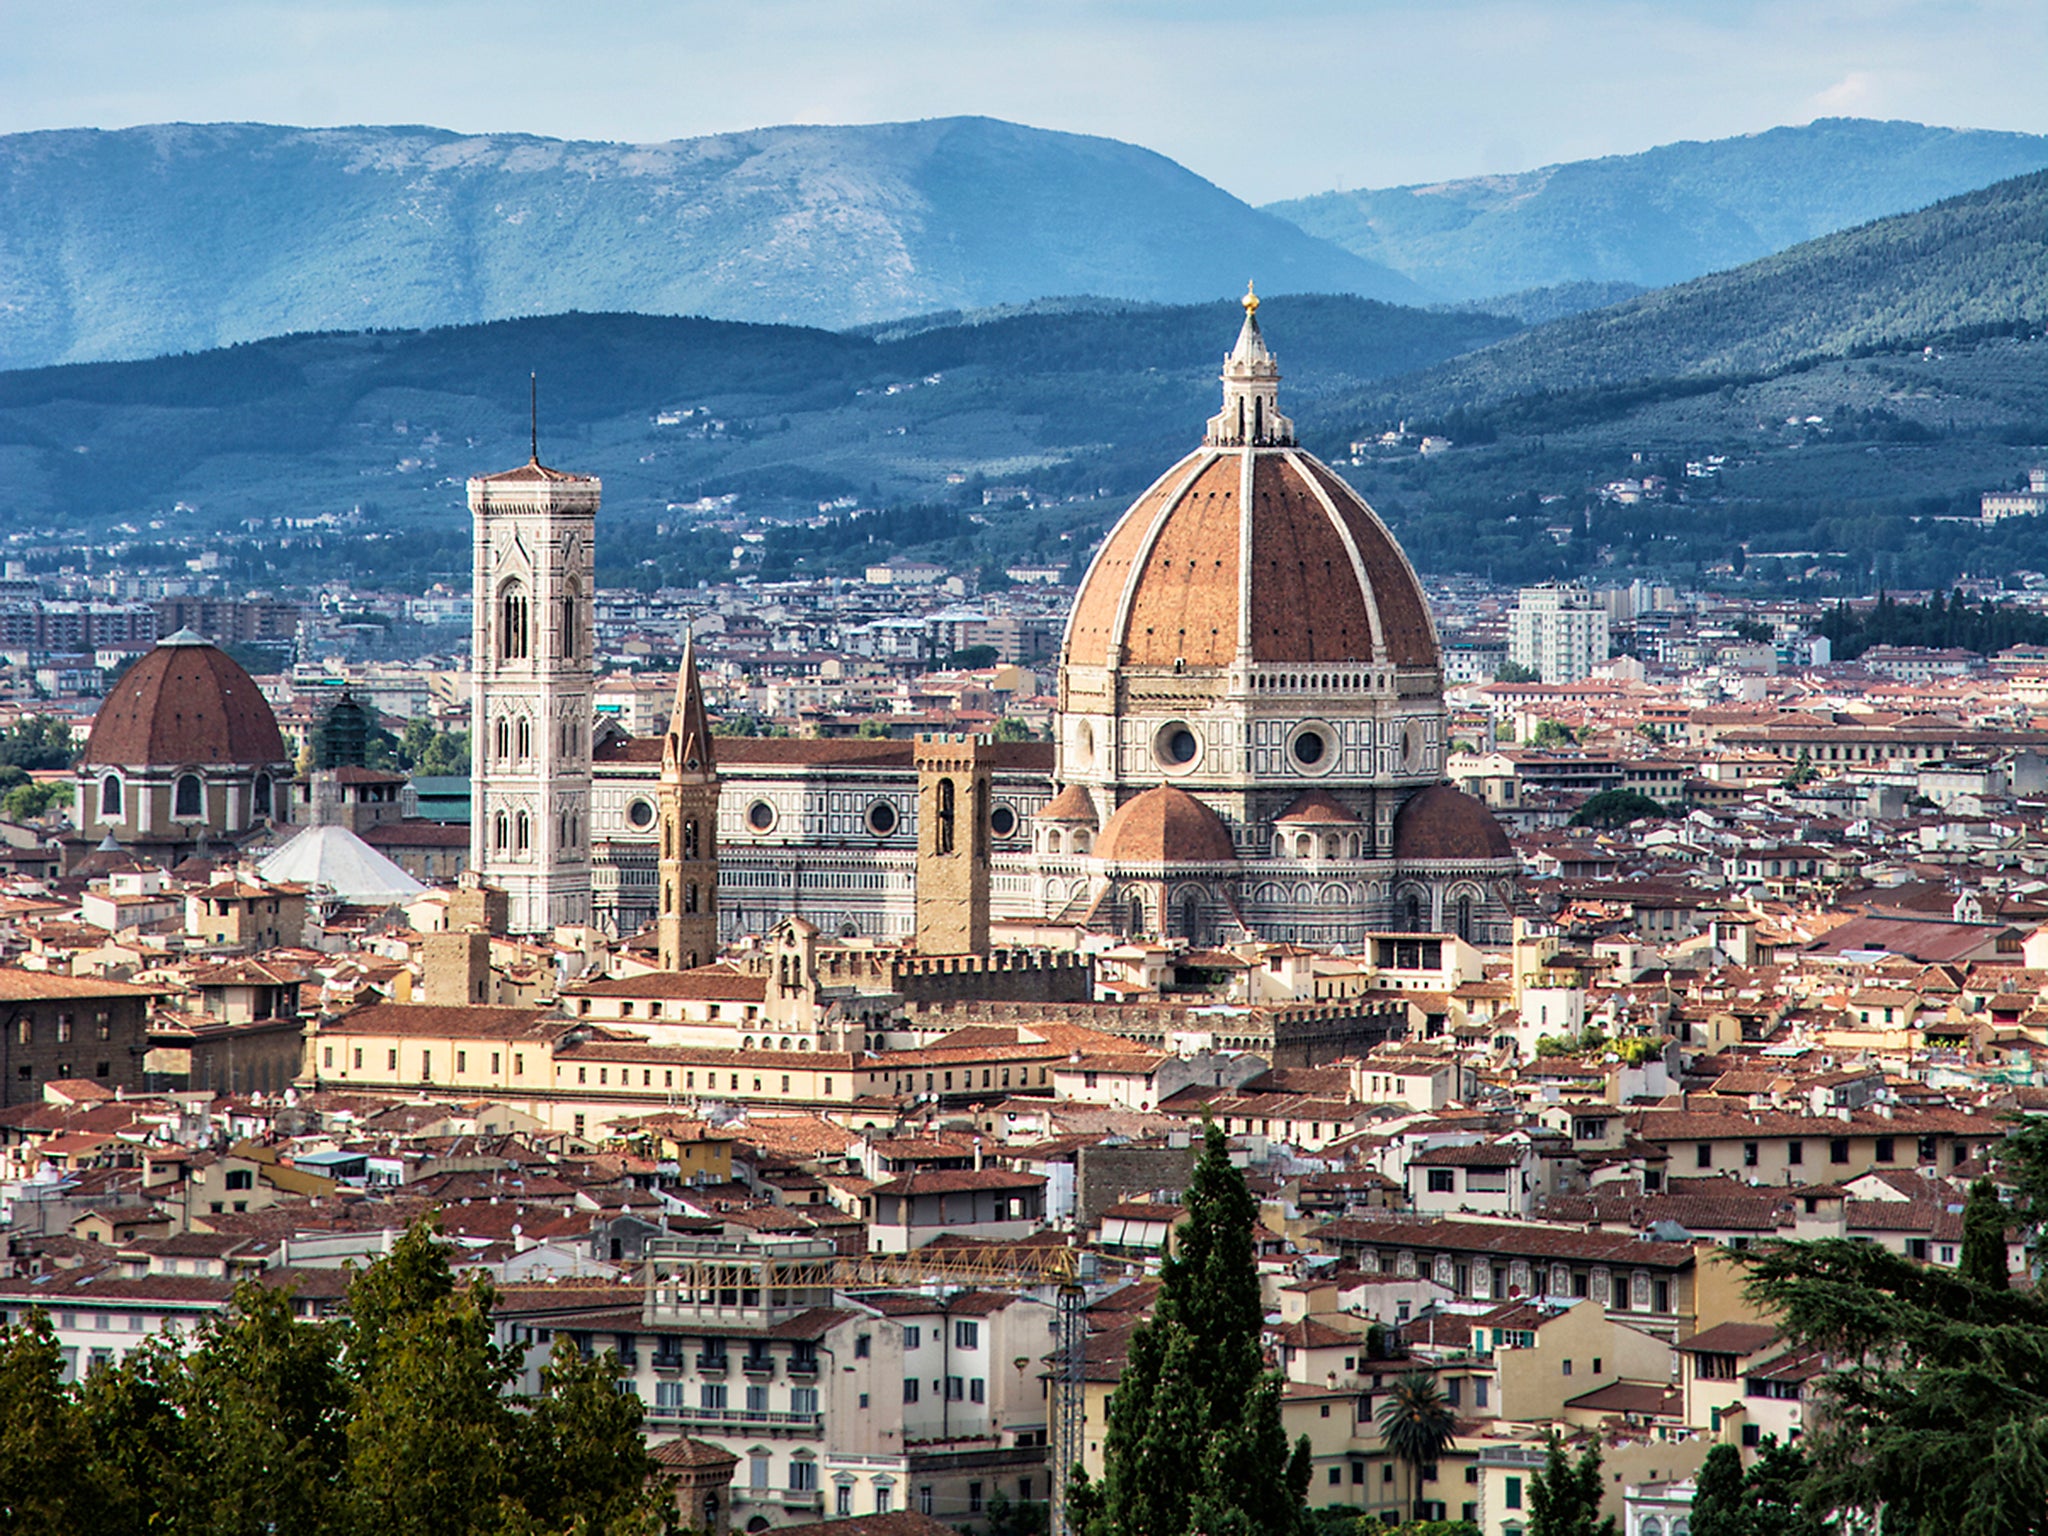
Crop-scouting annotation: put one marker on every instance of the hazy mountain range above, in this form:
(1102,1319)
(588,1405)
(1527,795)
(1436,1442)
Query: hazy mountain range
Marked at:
(176,238)
(144,241)
(1663,216)
(1857,390)
(1965,267)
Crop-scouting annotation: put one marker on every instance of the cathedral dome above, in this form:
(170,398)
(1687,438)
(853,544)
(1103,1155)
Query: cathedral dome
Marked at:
(1250,549)
(1443,824)
(186,701)
(1165,826)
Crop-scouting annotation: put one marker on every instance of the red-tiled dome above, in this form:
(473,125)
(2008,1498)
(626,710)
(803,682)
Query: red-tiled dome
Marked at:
(1071,804)
(1320,807)
(1165,826)
(1443,823)
(1316,579)
(1250,550)
(187,701)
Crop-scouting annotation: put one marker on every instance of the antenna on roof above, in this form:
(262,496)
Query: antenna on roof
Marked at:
(533,402)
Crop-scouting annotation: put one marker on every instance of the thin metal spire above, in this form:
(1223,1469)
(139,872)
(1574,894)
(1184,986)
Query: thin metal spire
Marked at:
(533,391)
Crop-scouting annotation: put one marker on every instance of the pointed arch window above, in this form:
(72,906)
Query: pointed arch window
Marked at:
(525,738)
(502,831)
(943,833)
(692,840)
(504,740)
(188,796)
(570,626)
(522,832)
(512,622)
(690,897)
(110,797)
(1414,914)
(1465,918)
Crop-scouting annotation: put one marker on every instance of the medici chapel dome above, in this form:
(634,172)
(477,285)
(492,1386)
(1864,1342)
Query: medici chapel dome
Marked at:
(186,701)
(1250,550)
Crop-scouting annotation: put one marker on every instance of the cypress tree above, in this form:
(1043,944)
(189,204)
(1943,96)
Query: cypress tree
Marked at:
(1195,1441)
(1718,1507)
(1984,1220)
(1564,1498)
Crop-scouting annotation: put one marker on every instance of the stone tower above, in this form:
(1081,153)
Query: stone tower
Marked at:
(952,845)
(531,713)
(686,923)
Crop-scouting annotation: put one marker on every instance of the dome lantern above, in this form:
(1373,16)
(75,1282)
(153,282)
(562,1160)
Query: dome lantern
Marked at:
(1251,391)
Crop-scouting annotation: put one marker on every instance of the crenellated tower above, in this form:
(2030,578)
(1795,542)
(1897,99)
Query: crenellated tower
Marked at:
(686,922)
(531,709)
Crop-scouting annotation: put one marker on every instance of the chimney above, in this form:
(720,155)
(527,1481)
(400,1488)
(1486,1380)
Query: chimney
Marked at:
(977,1154)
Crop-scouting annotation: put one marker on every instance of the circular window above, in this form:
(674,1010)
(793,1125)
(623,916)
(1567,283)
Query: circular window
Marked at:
(640,814)
(1309,748)
(1176,745)
(1002,821)
(881,818)
(1411,744)
(760,815)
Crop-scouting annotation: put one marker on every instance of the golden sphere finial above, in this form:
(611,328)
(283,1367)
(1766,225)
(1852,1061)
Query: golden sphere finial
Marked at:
(1251,300)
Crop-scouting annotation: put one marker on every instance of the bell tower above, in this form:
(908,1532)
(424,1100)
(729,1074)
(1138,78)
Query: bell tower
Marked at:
(686,922)
(952,845)
(530,717)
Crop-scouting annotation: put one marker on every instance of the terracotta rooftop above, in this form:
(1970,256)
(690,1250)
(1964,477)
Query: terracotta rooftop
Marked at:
(186,701)
(1319,579)
(1165,826)
(1446,823)
(1319,807)
(1071,804)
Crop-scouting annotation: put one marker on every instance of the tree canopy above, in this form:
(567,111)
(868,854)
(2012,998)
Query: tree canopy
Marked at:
(1416,1425)
(1936,1406)
(1564,1496)
(395,1421)
(1617,808)
(1194,1441)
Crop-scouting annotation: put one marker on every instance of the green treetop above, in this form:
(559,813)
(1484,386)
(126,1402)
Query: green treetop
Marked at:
(1564,1498)
(1194,1442)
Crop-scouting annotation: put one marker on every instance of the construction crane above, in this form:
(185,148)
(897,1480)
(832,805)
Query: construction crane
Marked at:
(803,1272)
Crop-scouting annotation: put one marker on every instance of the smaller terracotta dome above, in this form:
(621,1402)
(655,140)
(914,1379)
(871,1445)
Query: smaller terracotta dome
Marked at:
(1072,804)
(1321,808)
(1443,823)
(1165,826)
(187,701)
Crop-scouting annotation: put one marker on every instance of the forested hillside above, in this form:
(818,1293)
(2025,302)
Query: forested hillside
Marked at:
(1969,266)
(1071,402)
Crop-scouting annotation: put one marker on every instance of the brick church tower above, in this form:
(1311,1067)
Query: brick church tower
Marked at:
(952,845)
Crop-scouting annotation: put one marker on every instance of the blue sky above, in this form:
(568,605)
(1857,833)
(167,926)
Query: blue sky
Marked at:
(1268,100)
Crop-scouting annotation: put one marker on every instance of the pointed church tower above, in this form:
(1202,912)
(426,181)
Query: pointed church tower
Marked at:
(686,923)
(1251,391)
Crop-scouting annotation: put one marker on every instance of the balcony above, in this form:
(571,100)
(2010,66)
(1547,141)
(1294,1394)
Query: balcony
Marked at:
(806,1368)
(714,1365)
(759,1365)
(669,1360)
(742,1418)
